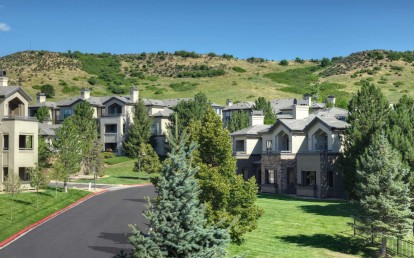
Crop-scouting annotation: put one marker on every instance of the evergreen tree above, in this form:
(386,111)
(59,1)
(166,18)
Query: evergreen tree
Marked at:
(238,120)
(262,104)
(187,111)
(368,115)
(224,193)
(384,199)
(45,154)
(176,216)
(38,179)
(68,143)
(12,185)
(148,160)
(139,131)
(42,114)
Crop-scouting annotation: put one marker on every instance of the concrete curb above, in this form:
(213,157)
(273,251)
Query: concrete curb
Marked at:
(49,217)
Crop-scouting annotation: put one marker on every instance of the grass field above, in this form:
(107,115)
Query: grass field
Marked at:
(25,212)
(302,228)
(121,173)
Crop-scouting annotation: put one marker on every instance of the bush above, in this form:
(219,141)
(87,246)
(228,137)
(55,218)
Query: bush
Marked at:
(93,80)
(186,54)
(325,62)
(108,154)
(396,68)
(255,60)
(299,60)
(183,86)
(238,69)
(227,56)
(63,83)
(117,89)
(284,62)
(152,78)
(137,74)
(398,84)
(48,89)
(212,54)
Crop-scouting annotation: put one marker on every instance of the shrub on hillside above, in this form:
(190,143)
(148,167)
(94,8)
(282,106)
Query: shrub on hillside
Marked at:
(183,86)
(238,69)
(284,62)
(48,89)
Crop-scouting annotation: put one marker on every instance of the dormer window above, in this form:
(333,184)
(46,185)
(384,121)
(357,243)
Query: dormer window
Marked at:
(16,107)
(114,109)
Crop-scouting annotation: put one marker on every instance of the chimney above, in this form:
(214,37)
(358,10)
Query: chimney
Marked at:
(3,79)
(256,118)
(229,102)
(332,100)
(41,97)
(85,93)
(308,99)
(134,94)
(300,111)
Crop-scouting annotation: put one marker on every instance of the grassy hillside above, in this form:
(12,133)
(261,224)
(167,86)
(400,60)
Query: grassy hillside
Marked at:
(182,74)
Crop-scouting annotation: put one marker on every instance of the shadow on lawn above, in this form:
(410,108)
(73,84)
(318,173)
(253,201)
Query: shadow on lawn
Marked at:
(337,243)
(295,198)
(334,209)
(132,177)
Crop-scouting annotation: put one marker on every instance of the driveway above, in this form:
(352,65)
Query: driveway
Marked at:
(97,227)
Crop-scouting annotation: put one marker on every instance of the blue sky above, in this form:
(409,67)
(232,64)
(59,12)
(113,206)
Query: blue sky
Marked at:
(260,28)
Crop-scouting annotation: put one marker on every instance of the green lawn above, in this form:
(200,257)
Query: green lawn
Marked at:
(25,212)
(122,173)
(301,228)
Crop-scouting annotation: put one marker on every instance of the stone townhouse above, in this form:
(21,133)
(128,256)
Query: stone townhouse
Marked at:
(19,132)
(297,155)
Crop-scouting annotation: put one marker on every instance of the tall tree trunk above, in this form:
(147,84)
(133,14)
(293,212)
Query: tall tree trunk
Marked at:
(383,247)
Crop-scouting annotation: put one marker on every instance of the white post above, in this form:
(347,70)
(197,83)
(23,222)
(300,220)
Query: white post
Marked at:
(90,185)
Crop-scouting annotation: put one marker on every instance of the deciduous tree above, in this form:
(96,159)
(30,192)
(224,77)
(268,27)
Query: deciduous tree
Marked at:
(12,186)
(148,160)
(42,114)
(38,179)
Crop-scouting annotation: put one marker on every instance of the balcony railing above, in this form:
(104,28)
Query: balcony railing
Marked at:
(112,115)
(21,118)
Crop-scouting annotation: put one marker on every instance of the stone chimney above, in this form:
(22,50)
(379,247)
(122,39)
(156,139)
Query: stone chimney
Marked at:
(256,118)
(134,94)
(4,80)
(41,97)
(229,102)
(300,111)
(85,93)
(332,100)
(308,99)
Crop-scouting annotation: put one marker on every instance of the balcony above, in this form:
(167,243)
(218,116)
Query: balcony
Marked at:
(19,118)
(112,115)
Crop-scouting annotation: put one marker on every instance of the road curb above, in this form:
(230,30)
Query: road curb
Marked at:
(49,217)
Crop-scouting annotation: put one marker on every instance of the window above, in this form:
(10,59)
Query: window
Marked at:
(67,113)
(114,109)
(154,129)
(269,145)
(309,178)
(270,176)
(5,142)
(110,146)
(5,172)
(111,128)
(240,146)
(23,174)
(25,142)
(330,178)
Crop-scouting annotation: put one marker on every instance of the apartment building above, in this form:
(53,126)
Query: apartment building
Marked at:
(19,132)
(297,155)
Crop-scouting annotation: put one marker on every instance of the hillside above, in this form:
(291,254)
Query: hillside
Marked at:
(182,74)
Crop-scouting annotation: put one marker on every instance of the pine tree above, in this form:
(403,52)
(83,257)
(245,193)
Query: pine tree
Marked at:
(262,104)
(384,199)
(224,193)
(176,216)
(139,131)
(238,121)
(369,111)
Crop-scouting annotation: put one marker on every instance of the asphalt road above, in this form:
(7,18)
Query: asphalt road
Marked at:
(97,227)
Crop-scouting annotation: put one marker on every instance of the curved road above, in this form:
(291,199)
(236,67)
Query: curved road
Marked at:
(97,227)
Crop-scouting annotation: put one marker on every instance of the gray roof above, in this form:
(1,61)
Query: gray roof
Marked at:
(94,101)
(240,106)
(45,104)
(7,91)
(339,113)
(123,99)
(174,102)
(284,116)
(48,129)
(252,130)
(153,102)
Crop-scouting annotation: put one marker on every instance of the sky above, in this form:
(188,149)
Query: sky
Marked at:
(275,30)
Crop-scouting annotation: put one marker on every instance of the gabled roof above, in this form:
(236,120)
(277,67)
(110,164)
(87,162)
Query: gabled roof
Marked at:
(252,130)
(166,112)
(240,106)
(47,129)
(124,99)
(7,91)
(94,101)
(153,102)
(44,104)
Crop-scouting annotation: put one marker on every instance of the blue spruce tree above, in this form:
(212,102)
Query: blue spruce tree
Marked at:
(177,226)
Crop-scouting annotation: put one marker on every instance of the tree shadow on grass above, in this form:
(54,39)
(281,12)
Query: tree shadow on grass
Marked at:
(22,202)
(336,243)
(132,177)
(334,209)
(296,198)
